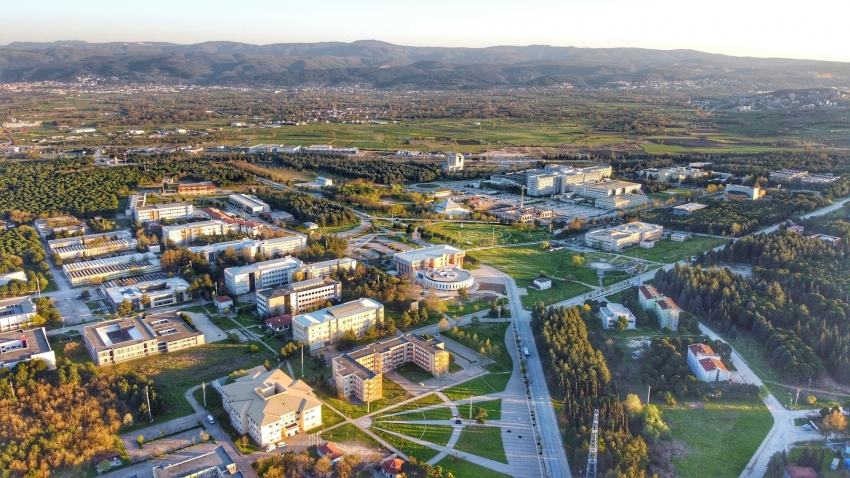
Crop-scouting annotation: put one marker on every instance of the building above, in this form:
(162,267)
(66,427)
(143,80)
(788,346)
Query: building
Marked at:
(119,340)
(392,467)
(328,149)
(23,345)
(612,312)
(288,149)
(263,148)
(214,464)
(648,296)
(148,294)
(186,233)
(454,162)
(787,175)
(155,212)
(432,257)
(270,405)
(331,451)
(311,226)
(674,174)
(442,192)
(542,283)
(623,201)
(91,245)
(202,188)
(555,179)
(251,228)
(10,276)
(249,204)
(281,217)
(359,373)
(298,296)
(735,192)
(223,302)
(451,209)
(831,240)
(260,275)
(323,181)
(668,313)
(800,472)
(617,238)
(101,270)
(680,236)
(325,326)
(706,364)
(603,189)
(326,268)
(688,209)
(279,323)
(445,278)
(15,312)
(46,227)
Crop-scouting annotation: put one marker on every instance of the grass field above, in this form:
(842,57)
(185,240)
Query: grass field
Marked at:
(483,441)
(667,251)
(465,469)
(720,439)
(462,307)
(485,385)
(493,407)
(438,434)
(393,393)
(427,400)
(349,433)
(442,413)
(492,331)
(413,373)
(409,448)
(470,235)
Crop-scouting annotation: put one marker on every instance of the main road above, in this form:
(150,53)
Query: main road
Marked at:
(549,435)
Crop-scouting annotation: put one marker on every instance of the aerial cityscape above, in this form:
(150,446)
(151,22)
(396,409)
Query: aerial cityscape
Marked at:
(226,252)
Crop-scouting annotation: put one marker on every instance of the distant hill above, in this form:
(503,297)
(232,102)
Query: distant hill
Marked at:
(385,65)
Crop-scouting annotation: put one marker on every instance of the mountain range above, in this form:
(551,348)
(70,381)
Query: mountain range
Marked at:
(385,65)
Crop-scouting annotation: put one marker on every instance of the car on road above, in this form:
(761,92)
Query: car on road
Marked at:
(421,384)
(79,297)
(807,427)
(210,419)
(281,444)
(271,447)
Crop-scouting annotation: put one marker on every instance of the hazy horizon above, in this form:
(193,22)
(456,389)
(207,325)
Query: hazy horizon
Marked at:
(779,29)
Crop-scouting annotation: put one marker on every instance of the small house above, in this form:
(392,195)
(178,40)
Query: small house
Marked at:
(542,283)
(331,451)
(223,302)
(279,323)
(392,467)
(311,226)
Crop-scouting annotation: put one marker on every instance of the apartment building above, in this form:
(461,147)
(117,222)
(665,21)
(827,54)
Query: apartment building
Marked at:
(298,296)
(125,339)
(148,294)
(325,326)
(668,313)
(428,258)
(23,345)
(186,233)
(620,237)
(269,405)
(260,275)
(360,373)
(706,364)
(155,212)
(101,270)
(249,204)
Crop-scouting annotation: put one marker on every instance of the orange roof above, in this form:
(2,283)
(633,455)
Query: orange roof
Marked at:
(284,320)
(709,364)
(393,467)
(330,450)
(701,349)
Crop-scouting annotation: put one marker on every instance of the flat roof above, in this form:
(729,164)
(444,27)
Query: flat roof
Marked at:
(691,206)
(157,287)
(265,265)
(192,225)
(119,333)
(337,312)
(171,205)
(610,185)
(11,344)
(432,252)
(217,458)
(248,200)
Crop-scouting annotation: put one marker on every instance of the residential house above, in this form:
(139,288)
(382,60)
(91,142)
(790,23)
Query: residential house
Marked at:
(706,364)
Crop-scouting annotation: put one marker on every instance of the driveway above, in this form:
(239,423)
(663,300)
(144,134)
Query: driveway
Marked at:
(211,332)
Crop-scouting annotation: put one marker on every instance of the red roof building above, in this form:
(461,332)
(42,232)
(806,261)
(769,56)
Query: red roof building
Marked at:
(706,364)
(800,472)
(392,468)
(331,451)
(105,457)
(281,322)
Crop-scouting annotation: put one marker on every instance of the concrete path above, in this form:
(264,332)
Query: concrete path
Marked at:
(446,450)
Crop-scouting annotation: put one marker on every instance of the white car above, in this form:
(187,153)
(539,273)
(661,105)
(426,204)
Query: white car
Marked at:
(271,447)
(281,444)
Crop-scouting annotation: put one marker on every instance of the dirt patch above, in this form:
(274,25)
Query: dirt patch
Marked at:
(696,405)
(365,452)
(500,288)
(689,142)
(660,455)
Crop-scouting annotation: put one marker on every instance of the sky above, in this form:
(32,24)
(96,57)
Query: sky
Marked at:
(813,29)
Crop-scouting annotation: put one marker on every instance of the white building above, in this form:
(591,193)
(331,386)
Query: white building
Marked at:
(260,275)
(263,148)
(15,312)
(92,245)
(325,326)
(555,179)
(298,296)
(736,192)
(155,212)
(248,248)
(451,209)
(270,406)
(249,204)
(445,278)
(186,233)
(454,162)
(623,201)
(706,364)
(10,276)
(620,237)
(605,189)
(125,339)
(433,257)
(23,345)
(543,283)
(612,312)
(323,181)
(156,293)
(128,265)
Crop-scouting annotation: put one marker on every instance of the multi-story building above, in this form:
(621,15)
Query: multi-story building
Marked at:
(270,405)
(6,277)
(668,313)
(428,258)
(260,275)
(560,179)
(155,212)
(620,237)
(249,248)
(298,296)
(603,189)
(186,233)
(612,312)
(706,364)
(125,339)
(214,464)
(147,294)
(360,372)
(678,173)
(326,268)
(454,162)
(100,270)
(736,192)
(251,228)
(52,225)
(325,326)
(787,175)
(15,312)
(623,201)
(648,296)
(23,345)
(183,188)
(249,204)
(91,245)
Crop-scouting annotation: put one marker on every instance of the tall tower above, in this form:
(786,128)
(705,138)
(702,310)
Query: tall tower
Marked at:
(594,447)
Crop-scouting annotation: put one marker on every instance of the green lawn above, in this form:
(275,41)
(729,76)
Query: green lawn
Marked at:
(338,229)
(393,393)
(493,407)
(482,441)
(474,336)
(485,385)
(438,434)
(349,433)
(482,235)
(409,448)
(442,413)
(720,439)
(413,372)
(311,370)
(428,186)
(461,307)
(427,400)
(668,251)
(466,469)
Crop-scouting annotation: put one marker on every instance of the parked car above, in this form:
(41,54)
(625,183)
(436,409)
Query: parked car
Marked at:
(281,444)
(271,447)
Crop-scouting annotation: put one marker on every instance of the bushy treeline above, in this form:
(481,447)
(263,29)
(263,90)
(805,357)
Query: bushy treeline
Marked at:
(305,207)
(21,250)
(734,218)
(578,375)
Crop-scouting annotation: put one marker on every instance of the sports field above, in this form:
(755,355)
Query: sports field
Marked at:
(472,235)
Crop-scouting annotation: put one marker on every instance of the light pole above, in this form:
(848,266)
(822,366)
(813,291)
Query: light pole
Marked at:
(648,390)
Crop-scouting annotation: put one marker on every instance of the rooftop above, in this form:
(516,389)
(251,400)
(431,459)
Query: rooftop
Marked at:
(701,349)
(711,363)
(648,292)
(20,305)
(217,458)
(280,321)
(283,262)
(120,333)
(163,206)
(266,396)
(425,253)
(133,292)
(337,312)
(22,344)
(296,287)
(691,206)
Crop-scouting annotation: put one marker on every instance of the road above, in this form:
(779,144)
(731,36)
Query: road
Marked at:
(554,456)
(819,212)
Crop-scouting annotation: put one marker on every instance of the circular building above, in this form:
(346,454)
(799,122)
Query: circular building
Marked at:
(447,278)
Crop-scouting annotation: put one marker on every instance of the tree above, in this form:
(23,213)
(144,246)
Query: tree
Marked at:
(480,415)
(776,465)
(632,404)
(578,261)
(85,294)
(443,324)
(124,308)
(347,340)
(654,428)
(544,245)
(141,440)
(463,293)
(835,422)
(145,300)
(622,323)
(475,319)
(322,466)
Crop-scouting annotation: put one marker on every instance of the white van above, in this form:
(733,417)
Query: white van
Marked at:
(210,419)
(525,351)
